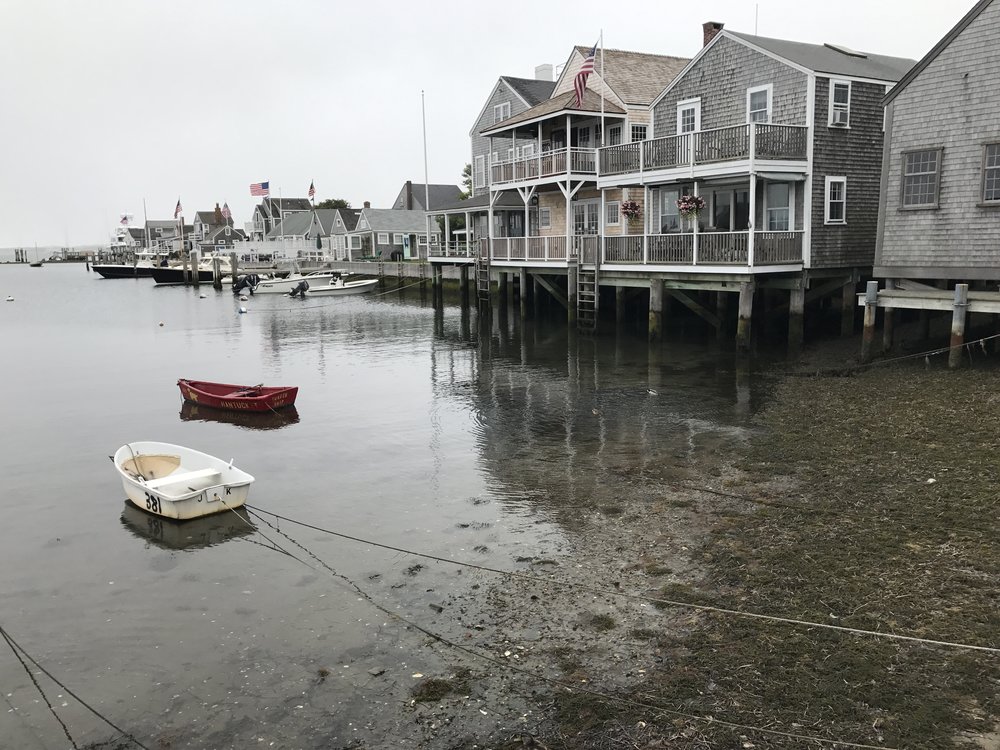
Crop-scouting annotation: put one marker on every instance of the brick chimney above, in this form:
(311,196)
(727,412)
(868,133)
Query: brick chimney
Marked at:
(409,196)
(218,214)
(709,30)
(368,204)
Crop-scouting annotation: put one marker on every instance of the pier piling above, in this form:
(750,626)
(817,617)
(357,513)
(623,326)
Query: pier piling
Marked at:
(871,307)
(958,325)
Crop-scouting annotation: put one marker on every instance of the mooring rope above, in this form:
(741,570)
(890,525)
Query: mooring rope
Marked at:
(638,597)
(17,647)
(571,687)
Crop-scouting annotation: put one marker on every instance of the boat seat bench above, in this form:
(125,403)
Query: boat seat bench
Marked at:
(184,476)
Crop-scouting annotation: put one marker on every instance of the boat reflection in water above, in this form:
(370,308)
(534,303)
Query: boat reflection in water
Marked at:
(261,420)
(196,533)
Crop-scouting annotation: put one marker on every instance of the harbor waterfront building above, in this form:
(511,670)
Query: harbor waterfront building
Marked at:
(780,140)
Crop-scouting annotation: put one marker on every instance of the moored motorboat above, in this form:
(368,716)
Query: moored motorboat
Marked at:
(142,268)
(290,282)
(237,397)
(177,482)
(206,272)
(336,288)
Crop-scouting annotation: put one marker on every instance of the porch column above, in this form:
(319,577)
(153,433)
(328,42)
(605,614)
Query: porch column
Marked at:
(745,315)
(796,315)
(647,226)
(753,221)
(655,309)
(468,234)
(847,305)
(694,229)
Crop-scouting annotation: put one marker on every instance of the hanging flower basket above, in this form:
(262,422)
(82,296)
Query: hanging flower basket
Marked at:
(690,205)
(630,210)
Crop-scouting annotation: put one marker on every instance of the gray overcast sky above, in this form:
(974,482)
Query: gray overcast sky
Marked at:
(106,102)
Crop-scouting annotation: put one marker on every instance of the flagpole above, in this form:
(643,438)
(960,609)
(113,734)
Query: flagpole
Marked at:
(604,87)
(145,221)
(427,187)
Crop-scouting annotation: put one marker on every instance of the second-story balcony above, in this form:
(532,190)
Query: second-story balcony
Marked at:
(705,149)
(545,166)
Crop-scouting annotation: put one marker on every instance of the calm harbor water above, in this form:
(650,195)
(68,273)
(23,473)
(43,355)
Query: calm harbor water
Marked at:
(414,428)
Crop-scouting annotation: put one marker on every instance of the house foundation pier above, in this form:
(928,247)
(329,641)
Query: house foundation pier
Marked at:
(745,315)
(524,292)
(958,325)
(796,317)
(463,285)
(655,309)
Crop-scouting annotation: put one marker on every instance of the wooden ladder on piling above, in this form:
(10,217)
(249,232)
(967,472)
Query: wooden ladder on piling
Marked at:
(587,298)
(482,278)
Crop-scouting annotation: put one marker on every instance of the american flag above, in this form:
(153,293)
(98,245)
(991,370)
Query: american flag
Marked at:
(580,82)
(124,221)
(260,188)
(177,211)
(312,190)
(226,213)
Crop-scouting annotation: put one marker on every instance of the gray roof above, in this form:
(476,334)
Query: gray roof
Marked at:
(636,77)
(274,206)
(561,103)
(439,195)
(237,235)
(393,220)
(349,217)
(531,90)
(826,58)
(293,225)
(937,49)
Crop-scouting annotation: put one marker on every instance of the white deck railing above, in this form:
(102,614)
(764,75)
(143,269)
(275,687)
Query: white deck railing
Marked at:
(704,249)
(546,164)
(736,143)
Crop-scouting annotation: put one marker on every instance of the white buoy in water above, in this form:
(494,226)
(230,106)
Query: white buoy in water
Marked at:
(161,324)
(203,296)
(9,298)
(243,298)
(242,309)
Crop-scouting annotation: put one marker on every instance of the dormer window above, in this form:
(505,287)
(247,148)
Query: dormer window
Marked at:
(501,112)
(840,104)
(759,104)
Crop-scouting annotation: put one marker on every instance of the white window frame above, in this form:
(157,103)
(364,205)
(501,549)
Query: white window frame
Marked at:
(841,180)
(834,82)
(790,208)
(937,178)
(382,238)
(528,149)
(632,129)
(501,112)
(988,171)
(613,209)
(769,88)
(614,135)
(397,238)
(355,242)
(479,173)
(685,105)
(544,217)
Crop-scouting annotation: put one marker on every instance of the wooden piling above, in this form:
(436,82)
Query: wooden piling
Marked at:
(958,325)
(620,305)
(745,315)
(217,272)
(655,309)
(888,322)
(234,268)
(721,311)
(186,269)
(572,276)
(195,262)
(522,289)
(796,317)
(848,302)
(463,286)
(871,307)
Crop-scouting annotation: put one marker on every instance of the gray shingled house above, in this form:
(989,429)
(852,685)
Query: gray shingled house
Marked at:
(547,155)
(388,233)
(269,213)
(782,141)
(412,196)
(940,211)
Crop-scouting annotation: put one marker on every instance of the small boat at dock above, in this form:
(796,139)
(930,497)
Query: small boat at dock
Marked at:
(177,482)
(237,397)
(290,282)
(335,288)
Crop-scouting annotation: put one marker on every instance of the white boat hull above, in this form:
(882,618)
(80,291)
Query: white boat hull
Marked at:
(284,286)
(336,290)
(176,482)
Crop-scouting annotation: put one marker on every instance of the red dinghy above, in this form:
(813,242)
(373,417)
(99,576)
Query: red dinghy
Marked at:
(237,397)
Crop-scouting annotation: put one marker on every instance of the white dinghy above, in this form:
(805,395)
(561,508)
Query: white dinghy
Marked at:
(177,482)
